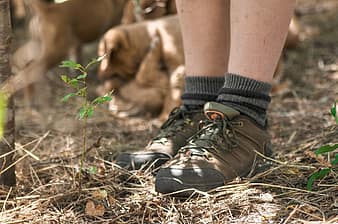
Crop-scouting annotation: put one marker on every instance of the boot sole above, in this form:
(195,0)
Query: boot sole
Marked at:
(175,187)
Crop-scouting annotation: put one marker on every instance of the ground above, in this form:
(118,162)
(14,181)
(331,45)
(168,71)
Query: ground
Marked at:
(49,145)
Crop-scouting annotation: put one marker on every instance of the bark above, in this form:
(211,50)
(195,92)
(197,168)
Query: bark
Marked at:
(7,142)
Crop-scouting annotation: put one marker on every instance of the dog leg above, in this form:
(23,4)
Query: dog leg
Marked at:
(29,75)
(24,55)
(151,75)
(176,87)
(75,54)
(150,67)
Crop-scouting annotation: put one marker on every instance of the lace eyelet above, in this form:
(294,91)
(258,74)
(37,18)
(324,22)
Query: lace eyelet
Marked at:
(238,123)
(200,125)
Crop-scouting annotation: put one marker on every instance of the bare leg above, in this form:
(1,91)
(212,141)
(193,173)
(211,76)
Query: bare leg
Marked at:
(206,43)
(258,32)
(205,36)
(216,154)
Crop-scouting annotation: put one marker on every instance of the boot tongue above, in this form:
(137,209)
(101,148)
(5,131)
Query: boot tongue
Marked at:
(218,111)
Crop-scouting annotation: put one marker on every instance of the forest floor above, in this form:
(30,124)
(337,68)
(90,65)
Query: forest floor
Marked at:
(49,142)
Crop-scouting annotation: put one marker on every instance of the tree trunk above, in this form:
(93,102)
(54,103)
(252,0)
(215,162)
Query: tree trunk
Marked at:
(7,175)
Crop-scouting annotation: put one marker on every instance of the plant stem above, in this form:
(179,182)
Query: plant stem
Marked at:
(84,146)
(84,134)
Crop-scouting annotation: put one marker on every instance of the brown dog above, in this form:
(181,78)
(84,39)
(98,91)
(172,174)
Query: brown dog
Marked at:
(56,29)
(147,58)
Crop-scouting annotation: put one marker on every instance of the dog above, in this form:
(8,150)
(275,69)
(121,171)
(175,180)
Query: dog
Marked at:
(149,9)
(147,58)
(56,30)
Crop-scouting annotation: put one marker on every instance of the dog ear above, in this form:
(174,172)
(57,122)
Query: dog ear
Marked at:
(123,39)
(112,43)
(121,42)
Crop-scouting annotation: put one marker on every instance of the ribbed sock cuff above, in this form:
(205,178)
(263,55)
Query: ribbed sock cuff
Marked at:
(249,96)
(201,89)
(234,81)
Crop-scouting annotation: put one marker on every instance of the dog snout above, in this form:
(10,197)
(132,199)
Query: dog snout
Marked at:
(114,83)
(111,84)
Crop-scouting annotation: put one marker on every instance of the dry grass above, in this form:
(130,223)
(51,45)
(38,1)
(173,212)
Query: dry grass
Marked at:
(49,148)
(48,191)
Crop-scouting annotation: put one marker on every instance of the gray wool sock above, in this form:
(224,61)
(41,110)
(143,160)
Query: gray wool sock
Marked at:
(249,96)
(201,89)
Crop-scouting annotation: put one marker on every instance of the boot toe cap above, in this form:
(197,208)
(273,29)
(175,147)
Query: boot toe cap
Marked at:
(172,179)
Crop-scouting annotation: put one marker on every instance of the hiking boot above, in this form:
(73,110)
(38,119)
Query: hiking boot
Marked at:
(223,149)
(180,126)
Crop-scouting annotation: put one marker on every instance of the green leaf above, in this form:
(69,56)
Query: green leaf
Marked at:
(317,175)
(74,83)
(82,113)
(86,112)
(326,148)
(3,110)
(101,100)
(334,111)
(92,170)
(90,111)
(335,161)
(66,97)
(82,76)
(71,64)
(65,78)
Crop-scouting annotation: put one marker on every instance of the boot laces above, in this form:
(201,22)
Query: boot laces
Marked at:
(214,135)
(178,118)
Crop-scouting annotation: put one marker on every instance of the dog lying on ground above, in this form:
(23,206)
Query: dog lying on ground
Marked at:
(144,66)
(57,29)
(143,57)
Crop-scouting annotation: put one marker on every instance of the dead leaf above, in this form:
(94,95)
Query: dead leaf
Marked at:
(111,200)
(94,210)
(280,88)
(100,194)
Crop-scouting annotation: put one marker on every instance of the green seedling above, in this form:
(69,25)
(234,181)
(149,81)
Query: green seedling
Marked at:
(3,109)
(322,150)
(79,85)
(334,111)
